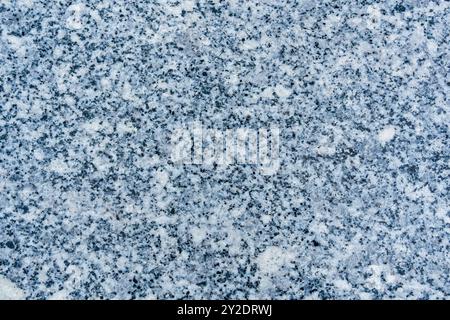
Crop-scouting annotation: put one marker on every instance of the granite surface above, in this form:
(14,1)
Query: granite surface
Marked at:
(93,207)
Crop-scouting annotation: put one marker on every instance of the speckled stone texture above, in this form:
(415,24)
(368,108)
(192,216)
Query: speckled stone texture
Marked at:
(92,207)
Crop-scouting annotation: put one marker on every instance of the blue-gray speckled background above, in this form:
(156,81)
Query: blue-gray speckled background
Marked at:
(92,207)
